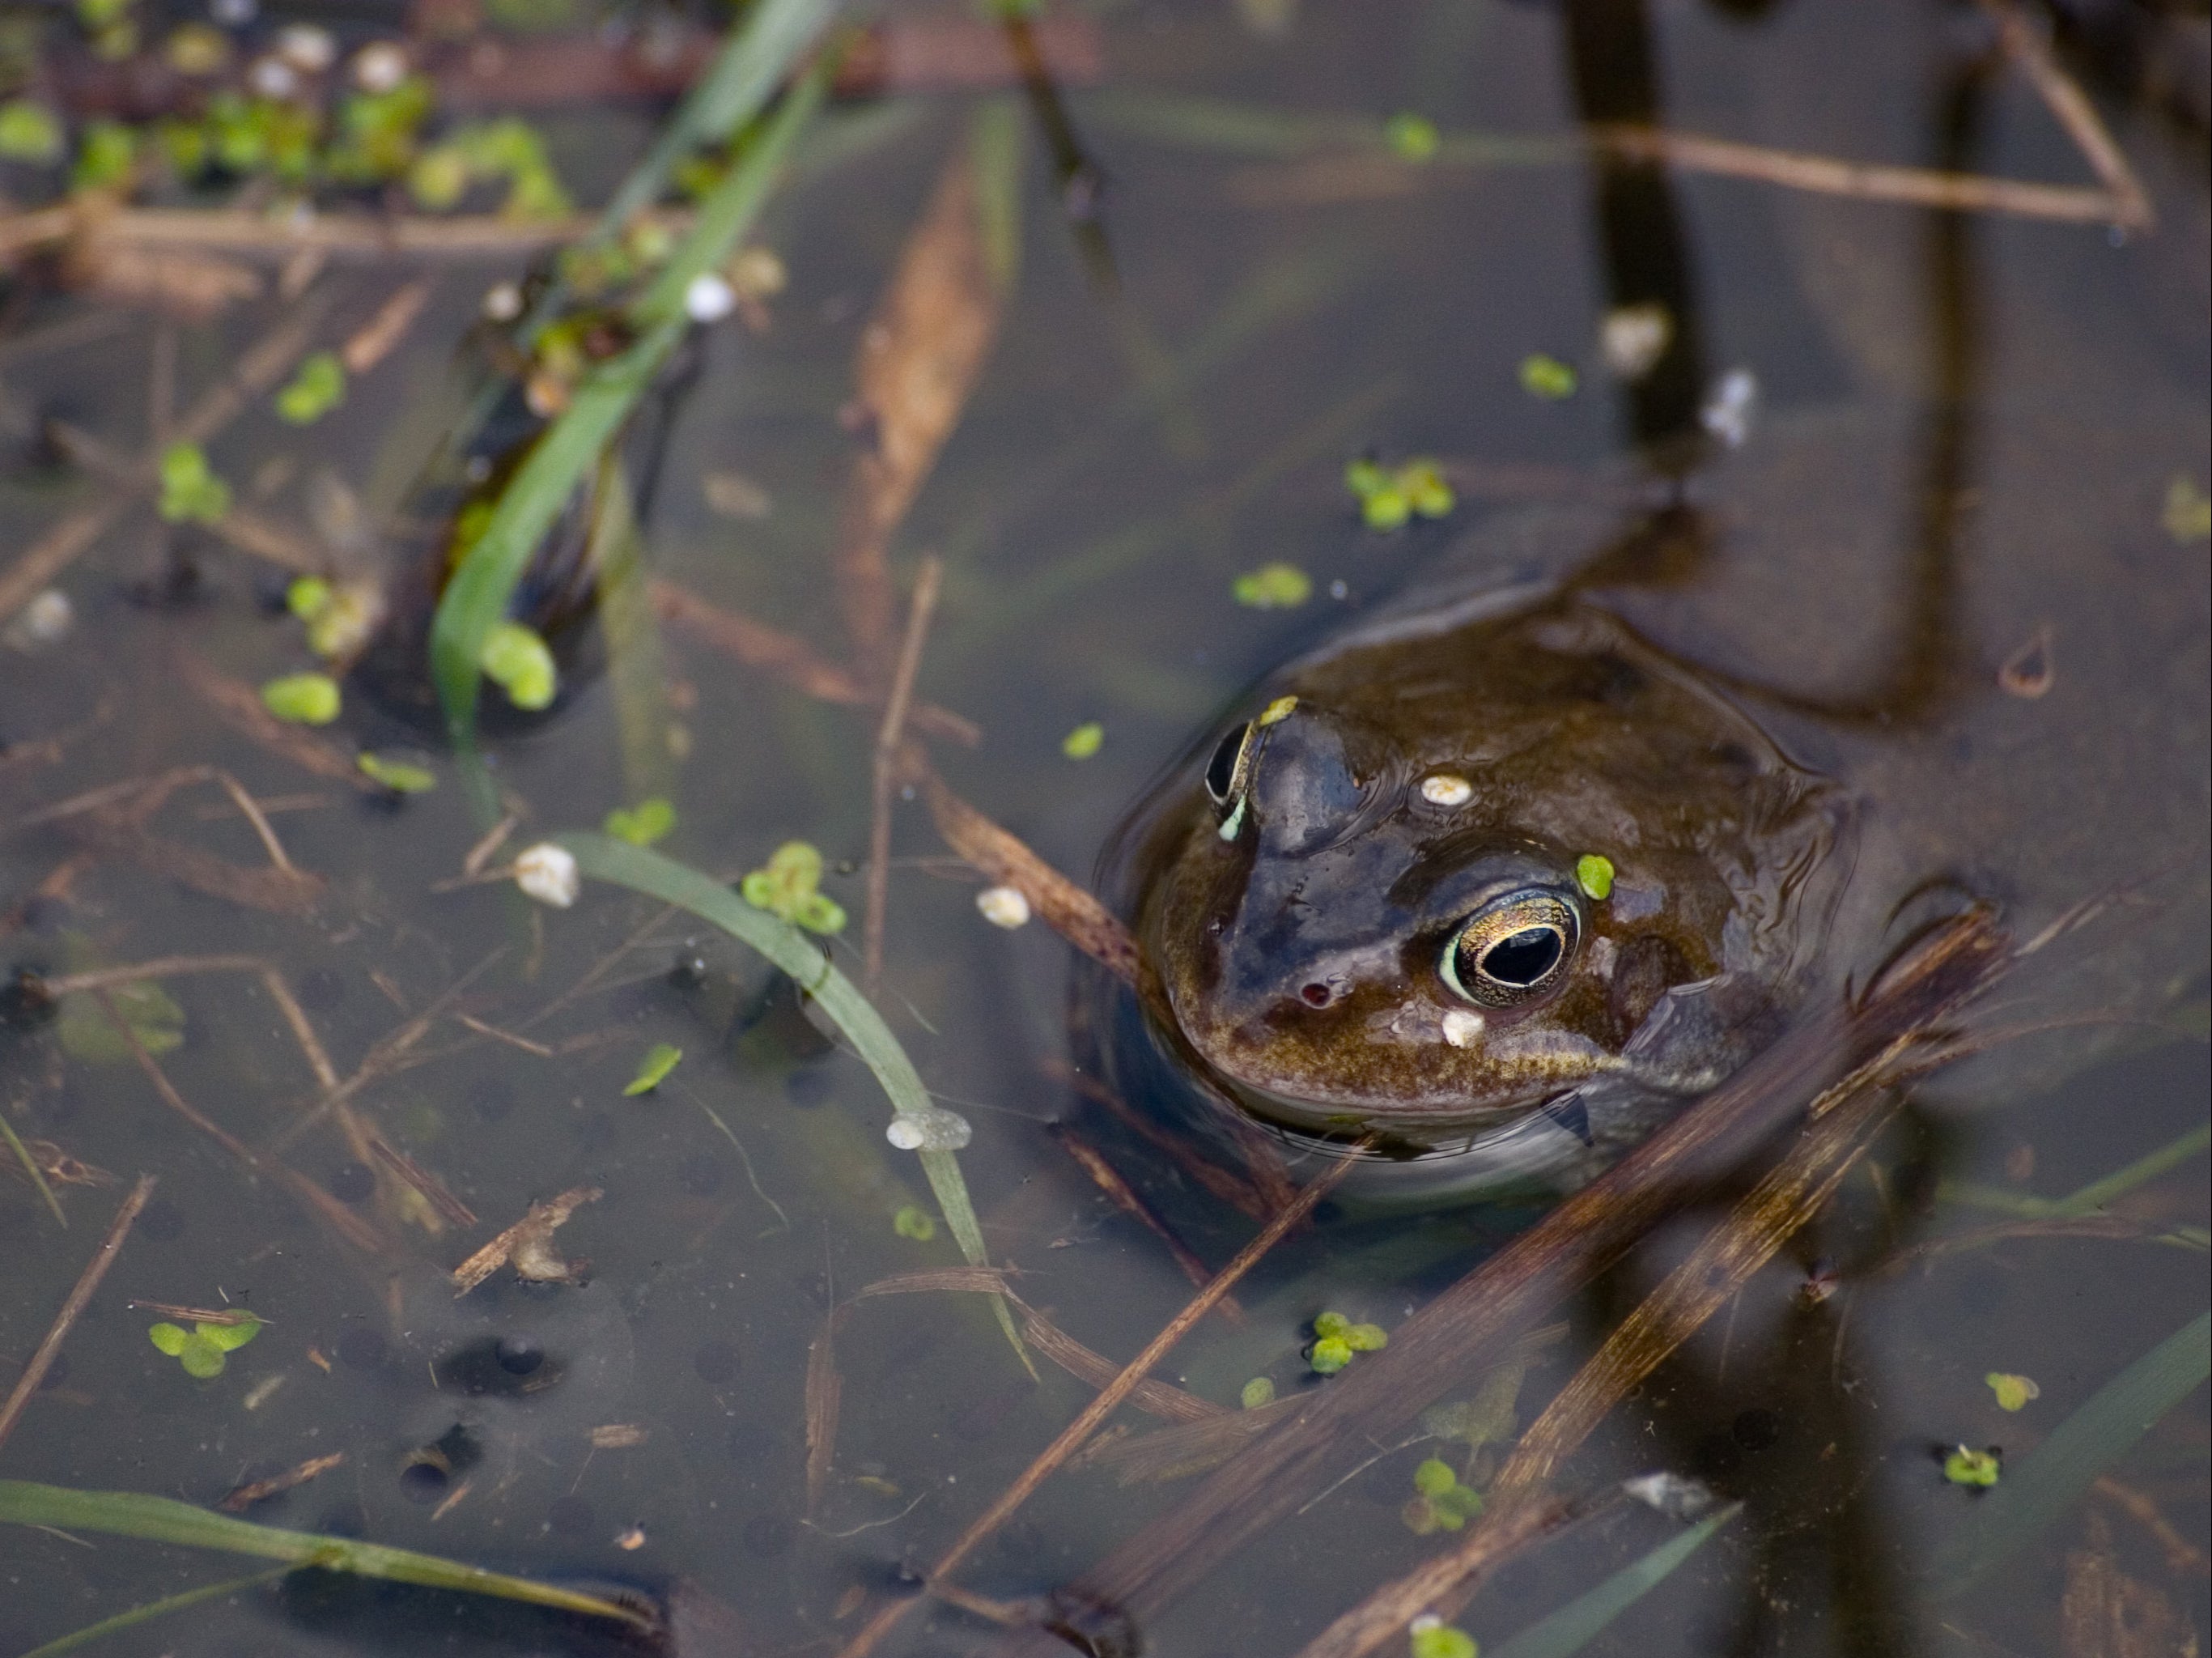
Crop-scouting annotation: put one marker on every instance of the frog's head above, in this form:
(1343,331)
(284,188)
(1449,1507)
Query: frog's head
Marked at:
(1441,889)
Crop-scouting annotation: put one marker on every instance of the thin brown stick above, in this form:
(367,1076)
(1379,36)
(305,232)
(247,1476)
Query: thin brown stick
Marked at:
(252,810)
(1123,1197)
(2063,97)
(228,1317)
(240,706)
(1383,1616)
(508,1037)
(245,1497)
(2181,1554)
(1065,907)
(888,736)
(303,1032)
(1827,176)
(166,966)
(375,339)
(1070,1438)
(433,1190)
(786,658)
(72,1309)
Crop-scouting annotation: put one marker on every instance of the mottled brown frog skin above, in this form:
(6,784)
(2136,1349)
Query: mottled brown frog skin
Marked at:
(1360,895)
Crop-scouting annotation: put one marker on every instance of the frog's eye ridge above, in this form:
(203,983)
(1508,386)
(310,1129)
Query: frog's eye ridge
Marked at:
(1513,949)
(1231,768)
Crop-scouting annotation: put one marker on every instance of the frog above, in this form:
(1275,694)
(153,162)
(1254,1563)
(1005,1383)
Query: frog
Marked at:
(1496,879)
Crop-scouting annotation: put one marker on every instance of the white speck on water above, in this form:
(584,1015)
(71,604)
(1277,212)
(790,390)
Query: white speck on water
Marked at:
(1003,907)
(709,298)
(1728,412)
(1446,788)
(549,873)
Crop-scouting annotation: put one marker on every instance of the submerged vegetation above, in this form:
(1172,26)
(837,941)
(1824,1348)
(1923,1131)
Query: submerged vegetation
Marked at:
(496,395)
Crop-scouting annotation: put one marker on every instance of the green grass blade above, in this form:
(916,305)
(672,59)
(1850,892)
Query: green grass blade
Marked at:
(476,597)
(151,1610)
(1578,1623)
(600,857)
(31,1167)
(2116,1185)
(2050,1479)
(163,1520)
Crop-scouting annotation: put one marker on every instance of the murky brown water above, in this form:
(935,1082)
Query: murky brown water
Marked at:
(1964,436)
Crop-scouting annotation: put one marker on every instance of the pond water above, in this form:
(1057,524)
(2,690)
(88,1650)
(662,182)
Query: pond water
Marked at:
(1944,476)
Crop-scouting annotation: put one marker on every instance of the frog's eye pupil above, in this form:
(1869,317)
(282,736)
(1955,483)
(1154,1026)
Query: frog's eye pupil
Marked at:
(1525,958)
(1223,771)
(1512,950)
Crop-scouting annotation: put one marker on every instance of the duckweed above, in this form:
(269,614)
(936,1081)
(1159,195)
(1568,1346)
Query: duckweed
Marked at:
(660,1059)
(203,1350)
(398,776)
(1593,875)
(643,823)
(1391,497)
(303,699)
(1272,587)
(520,662)
(1979,1469)
(789,885)
(1547,377)
(1257,1392)
(1084,741)
(2013,1392)
(916,1222)
(1440,1502)
(318,388)
(190,492)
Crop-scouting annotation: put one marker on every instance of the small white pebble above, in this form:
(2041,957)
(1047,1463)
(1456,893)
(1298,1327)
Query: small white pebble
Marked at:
(502,302)
(1003,907)
(1634,338)
(45,620)
(709,298)
(272,78)
(1727,414)
(308,47)
(234,14)
(1462,1029)
(548,873)
(378,67)
(1447,789)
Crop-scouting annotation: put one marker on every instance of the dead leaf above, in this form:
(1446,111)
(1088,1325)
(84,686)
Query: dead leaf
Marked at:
(528,1246)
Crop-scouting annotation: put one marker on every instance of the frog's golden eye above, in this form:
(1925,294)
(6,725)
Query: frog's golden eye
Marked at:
(1513,949)
(1231,769)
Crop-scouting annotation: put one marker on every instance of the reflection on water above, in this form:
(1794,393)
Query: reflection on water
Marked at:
(1969,433)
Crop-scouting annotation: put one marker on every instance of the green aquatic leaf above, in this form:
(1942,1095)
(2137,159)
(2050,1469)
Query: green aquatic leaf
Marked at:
(2013,1392)
(520,663)
(916,1222)
(1593,875)
(659,1059)
(317,387)
(1412,138)
(203,1359)
(307,597)
(1260,1391)
(602,859)
(787,887)
(1330,1355)
(1434,1476)
(1435,1640)
(1967,1466)
(303,699)
(151,1012)
(134,1615)
(1273,587)
(1578,1623)
(105,151)
(228,1336)
(162,1520)
(28,133)
(398,776)
(191,492)
(170,1339)
(1547,377)
(2046,1483)
(1084,741)
(643,823)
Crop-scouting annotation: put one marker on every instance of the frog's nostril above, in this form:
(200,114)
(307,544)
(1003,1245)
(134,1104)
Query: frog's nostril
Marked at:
(1316,996)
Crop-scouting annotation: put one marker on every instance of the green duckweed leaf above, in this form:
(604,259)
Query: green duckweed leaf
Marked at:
(228,1336)
(1593,875)
(916,1222)
(303,699)
(203,1359)
(191,492)
(659,1059)
(28,133)
(787,886)
(516,659)
(1547,377)
(2013,1392)
(398,776)
(169,1337)
(1272,587)
(1084,741)
(1260,1391)
(1966,1467)
(317,387)
(1441,1641)
(643,823)
(1412,138)
(1434,1476)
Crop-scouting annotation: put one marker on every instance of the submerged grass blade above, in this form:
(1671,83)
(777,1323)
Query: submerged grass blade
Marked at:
(2053,1477)
(476,597)
(1578,1623)
(163,1520)
(153,1609)
(600,857)
(31,1167)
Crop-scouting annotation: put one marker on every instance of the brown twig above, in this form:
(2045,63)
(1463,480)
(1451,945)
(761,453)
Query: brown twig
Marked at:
(889,737)
(1065,907)
(1123,1197)
(72,1309)
(786,658)
(243,1497)
(920,354)
(1070,1438)
(2181,1554)
(434,1189)
(2063,97)
(375,339)
(1827,176)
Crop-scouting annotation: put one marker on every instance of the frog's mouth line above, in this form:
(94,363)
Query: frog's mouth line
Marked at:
(1544,1111)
